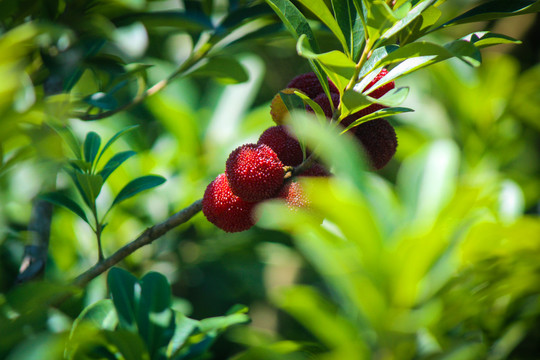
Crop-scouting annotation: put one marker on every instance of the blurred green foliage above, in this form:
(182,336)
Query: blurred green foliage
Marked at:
(435,257)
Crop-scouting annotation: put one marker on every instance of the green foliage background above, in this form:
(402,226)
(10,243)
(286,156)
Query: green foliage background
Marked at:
(435,257)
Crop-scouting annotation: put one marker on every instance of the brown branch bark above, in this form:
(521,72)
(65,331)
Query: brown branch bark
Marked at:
(147,237)
(35,255)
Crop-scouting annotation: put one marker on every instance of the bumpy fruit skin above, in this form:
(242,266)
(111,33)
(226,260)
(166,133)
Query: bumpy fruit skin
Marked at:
(324,103)
(284,145)
(310,85)
(379,140)
(294,196)
(278,110)
(254,172)
(224,209)
(377,93)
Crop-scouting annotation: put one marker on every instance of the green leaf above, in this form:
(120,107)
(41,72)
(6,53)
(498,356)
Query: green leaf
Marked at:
(407,19)
(314,106)
(375,58)
(380,18)
(351,26)
(114,163)
(242,15)
(319,8)
(482,39)
(189,20)
(125,292)
(184,328)
(379,114)
(220,323)
(90,185)
(129,344)
(155,318)
(116,137)
(494,10)
(100,314)
(354,100)
(91,146)
(338,66)
(60,199)
(102,100)
(294,21)
(136,186)
(67,135)
(224,69)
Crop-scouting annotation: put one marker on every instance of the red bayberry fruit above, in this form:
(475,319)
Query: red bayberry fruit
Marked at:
(377,93)
(294,196)
(284,145)
(316,170)
(310,85)
(324,103)
(254,172)
(379,140)
(224,209)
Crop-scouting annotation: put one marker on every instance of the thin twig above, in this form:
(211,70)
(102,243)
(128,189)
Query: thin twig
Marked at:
(147,237)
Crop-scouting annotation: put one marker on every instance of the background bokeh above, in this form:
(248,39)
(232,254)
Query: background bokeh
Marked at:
(442,257)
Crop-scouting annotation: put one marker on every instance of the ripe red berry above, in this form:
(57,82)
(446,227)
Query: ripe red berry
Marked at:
(284,145)
(378,93)
(254,172)
(316,170)
(294,196)
(324,103)
(224,209)
(379,140)
(310,85)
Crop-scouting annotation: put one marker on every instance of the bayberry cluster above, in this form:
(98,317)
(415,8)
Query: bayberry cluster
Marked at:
(377,137)
(256,172)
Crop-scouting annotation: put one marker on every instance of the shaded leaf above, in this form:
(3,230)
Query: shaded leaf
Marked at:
(189,20)
(90,185)
(155,319)
(354,100)
(60,199)
(91,146)
(125,293)
(482,39)
(407,19)
(494,10)
(351,26)
(100,314)
(136,186)
(102,100)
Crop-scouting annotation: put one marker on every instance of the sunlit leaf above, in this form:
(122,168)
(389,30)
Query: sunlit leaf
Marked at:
(482,39)
(100,314)
(350,24)
(136,186)
(379,114)
(319,8)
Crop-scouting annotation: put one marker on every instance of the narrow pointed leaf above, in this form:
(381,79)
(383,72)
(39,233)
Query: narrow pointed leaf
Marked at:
(136,186)
(407,19)
(60,199)
(482,39)
(102,100)
(379,114)
(319,8)
(91,185)
(495,9)
(116,137)
(91,146)
(351,25)
(294,20)
(114,163)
